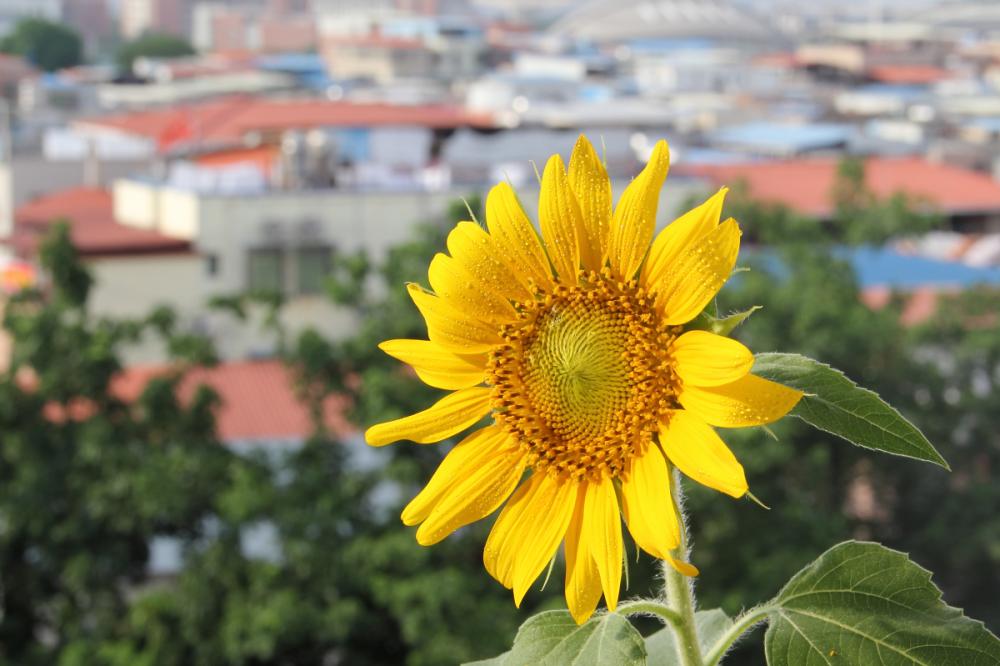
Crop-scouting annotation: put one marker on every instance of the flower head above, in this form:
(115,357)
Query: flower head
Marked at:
(574,343)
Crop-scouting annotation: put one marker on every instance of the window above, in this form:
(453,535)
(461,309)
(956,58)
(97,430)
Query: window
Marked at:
(313,267)
(211,265)
(265,271)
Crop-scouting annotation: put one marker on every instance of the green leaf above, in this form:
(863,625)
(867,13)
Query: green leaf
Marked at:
(553,638)
(723,326)
(839,406)
(862,603)
(662,647)
(499,660)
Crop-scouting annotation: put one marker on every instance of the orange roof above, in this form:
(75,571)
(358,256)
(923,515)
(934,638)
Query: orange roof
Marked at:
(806,185)
(258,399)
(229,120)
(908,74)
(262,157)
(921,306)
(93,229)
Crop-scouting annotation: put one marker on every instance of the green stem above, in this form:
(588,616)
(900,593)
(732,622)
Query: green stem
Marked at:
(651,608)
(742,624)
(678,593)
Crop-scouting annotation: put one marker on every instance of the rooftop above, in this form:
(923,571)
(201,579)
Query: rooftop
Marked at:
(229,120)
(954,190)
(258,397)
(258,400)
(908,74)
(93,229)
(783,139)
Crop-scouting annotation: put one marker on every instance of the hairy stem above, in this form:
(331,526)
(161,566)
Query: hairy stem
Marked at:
(643,607)
(742,624)
(679,595)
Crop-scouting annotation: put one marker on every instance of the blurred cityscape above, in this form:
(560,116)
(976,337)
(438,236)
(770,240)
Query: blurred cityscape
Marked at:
(203,149)
(297,129)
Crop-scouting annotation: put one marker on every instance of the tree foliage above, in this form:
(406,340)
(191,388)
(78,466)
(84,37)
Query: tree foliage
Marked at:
(45,44)
(153,45)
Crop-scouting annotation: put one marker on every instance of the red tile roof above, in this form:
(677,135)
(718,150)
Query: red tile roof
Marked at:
(263,157)
(228,120)
(920,306)
(258,398)
(908,74)
(93,228)
(258,401)
(805,185)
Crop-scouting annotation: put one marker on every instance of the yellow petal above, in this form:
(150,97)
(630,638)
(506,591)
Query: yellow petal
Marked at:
(550,514)
(478,494)
(515,237)
(602,531)
(707,359)
(695,276)
(749,401)
(647,504)
(590,182)
(559,217)
(464,458)
(583,581)
(635,215)
(464,292)
(451,414)
(477,253)
(435,365)
(535,517)
(681,235)
(451,328)
(699,452)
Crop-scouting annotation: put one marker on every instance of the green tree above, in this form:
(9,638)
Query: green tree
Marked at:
(87,480)
(153,45)
(45,44)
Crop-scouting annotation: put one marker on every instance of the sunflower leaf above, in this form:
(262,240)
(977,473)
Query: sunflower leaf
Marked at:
(862,603)
(552,638)
(710,625)
(837,405)
(499,660)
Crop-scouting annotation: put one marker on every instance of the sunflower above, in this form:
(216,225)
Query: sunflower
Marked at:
(574,344)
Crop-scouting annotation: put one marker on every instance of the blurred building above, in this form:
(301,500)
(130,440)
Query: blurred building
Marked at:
(256,198)
(137,17)
(274,27)
(92,20)
(389,41)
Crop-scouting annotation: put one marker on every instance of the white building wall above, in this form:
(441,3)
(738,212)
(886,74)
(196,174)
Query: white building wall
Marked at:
(224,230)
(130,286)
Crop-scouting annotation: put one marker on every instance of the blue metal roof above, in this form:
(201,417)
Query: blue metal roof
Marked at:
(877,267)
(790,138)
(885,266)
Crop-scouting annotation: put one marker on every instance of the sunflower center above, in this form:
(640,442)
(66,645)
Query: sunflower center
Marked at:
(585,376)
